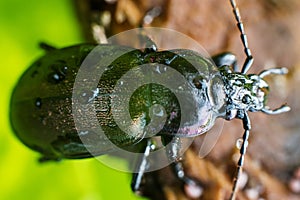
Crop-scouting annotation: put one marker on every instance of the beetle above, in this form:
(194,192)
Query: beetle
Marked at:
(42,104)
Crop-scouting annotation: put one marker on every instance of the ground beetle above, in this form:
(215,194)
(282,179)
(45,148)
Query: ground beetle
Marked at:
(41,104)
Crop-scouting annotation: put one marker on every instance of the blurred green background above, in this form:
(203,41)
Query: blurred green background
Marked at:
(23,24)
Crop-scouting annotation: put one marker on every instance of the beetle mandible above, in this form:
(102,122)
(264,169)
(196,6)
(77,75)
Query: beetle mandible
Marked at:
(41,104)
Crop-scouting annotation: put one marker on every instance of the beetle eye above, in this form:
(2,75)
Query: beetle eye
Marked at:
(246,99)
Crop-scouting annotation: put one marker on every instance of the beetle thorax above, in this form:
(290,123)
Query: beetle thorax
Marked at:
(243,93)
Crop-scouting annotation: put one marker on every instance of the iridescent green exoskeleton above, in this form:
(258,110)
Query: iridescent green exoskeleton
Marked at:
(41,105)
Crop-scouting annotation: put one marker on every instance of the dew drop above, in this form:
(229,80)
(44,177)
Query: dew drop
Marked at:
(157,110)
(81,133)
(94,95)
(58,72)
(239,143)
(56,77)
(102,110)
(243,180)
(193,190)
(89,96)
(294,185)
(157,69)
(169,61)
(38,102)
(152,147)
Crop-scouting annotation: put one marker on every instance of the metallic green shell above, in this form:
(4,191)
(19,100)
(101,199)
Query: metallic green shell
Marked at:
(41,104)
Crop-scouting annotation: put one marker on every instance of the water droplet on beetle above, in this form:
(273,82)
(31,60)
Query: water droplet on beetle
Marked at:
(59,71)
(157,69)
(38,102)
(94,95)
(158,111)
(193,190)
(83,133)
(102,110)
(239,143)
(56,77)
(169,61)
(88,96)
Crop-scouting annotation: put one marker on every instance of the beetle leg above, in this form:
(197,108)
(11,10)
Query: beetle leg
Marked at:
(150,46)
(173,153)
(247,126)
(47,47)
(150,15)
(192,187)
(44,159)
(281,109)
(226,58)
(142,167)
(144,39)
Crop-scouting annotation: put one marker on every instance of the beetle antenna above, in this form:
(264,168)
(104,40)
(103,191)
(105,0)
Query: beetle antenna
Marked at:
(279,71)
(240,163)
(249,60)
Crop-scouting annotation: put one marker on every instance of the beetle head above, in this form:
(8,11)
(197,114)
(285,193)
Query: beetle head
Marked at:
(249,93)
